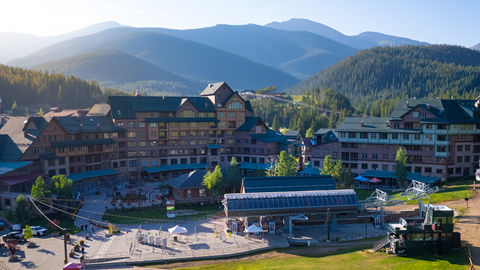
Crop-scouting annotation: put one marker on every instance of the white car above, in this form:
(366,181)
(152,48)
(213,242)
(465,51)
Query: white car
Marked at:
(37,230)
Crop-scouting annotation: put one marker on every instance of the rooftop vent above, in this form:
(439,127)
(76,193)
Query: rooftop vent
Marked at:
(428,106)
(98,126)
(361,123)
(210,85)
(91,120)
(407,103)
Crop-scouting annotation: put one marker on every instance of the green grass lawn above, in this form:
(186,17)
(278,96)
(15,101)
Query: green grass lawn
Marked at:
(459,190)
(353,258)
(158,213)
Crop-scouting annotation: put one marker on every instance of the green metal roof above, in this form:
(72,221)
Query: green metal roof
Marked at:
(310,171)
(83,142)
(126,107)
(410,176)
(248,105)
(6,167)
(176,167)
(270,136)
(288,183)
(249,124)
(181,119)
(85,175)
(254,166)
(214,146)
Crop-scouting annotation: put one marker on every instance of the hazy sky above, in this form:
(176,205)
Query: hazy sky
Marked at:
(444,22)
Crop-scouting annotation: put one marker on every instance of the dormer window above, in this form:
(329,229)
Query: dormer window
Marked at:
(415,114)
(423,114)
(219,105)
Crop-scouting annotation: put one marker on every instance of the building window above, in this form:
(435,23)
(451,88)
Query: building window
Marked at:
(467,158)
(385,156)
(364,166)
(415,114)
(173,134)
(439,171)
(406,136)
(364,155)
(235,105)
(132,153)
(374,156)
(132,163)
(131,124)
(394,136)
(374,166)
(352,135)
(428,137)
(418,169)
(141,124)
(384,167)
(459,148)
(416,137)
(423,114)
(132,134)
(201,192)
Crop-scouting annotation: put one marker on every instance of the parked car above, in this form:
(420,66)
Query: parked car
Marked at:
(18,236)
(37,230)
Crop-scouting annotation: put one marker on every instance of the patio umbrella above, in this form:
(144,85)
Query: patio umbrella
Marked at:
(177,229)
(375,180)
(253,229)
(360,178)
(72,266)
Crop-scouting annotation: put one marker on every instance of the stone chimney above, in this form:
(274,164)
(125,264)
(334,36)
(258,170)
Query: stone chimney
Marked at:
(428,106)
(407,104)
(388,123)
(98,126)
(361,123)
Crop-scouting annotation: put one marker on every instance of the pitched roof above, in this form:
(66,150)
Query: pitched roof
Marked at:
(309,170)
(6,167)
(87,124)
(100,109)
(13,142)
(125,107)
(270,136)
(176,167)
(444,110)
(410,176)
(371,124)
(18,179)
(250,123)
(192,179)
(288,183)
(212,88)
(248,105)
(292,133)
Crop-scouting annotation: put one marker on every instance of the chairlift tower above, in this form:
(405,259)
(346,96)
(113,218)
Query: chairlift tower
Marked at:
(419,190)
(381,199)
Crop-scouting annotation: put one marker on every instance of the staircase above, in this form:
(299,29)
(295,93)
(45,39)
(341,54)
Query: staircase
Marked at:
(381,244)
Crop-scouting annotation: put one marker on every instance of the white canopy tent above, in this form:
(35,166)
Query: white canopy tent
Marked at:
(253,229)
(177,229)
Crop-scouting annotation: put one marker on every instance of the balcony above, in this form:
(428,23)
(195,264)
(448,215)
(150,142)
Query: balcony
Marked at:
(442,154)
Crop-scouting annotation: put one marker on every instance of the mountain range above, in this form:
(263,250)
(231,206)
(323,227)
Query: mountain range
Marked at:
(20,44)
(246,56)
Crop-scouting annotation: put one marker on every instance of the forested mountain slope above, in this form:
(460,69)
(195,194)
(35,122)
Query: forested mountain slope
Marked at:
(185,58)
(374,79)
(114,68)
(30,87)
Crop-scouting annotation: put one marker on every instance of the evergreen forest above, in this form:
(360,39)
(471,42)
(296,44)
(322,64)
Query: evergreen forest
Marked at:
(375,79)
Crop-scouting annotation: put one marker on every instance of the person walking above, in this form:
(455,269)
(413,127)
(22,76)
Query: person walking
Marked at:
(81,226)
(93,228)
(83,250)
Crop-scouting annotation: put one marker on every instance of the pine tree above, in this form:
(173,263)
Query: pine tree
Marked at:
(234,177)
(275,125)
(287,165)
(309,133)
(40,113)
(213,181)
(328,166)
(401,165)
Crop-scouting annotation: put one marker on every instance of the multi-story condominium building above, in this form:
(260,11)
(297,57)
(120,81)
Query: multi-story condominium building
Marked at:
(167,136)
(137,137)
(442,138)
